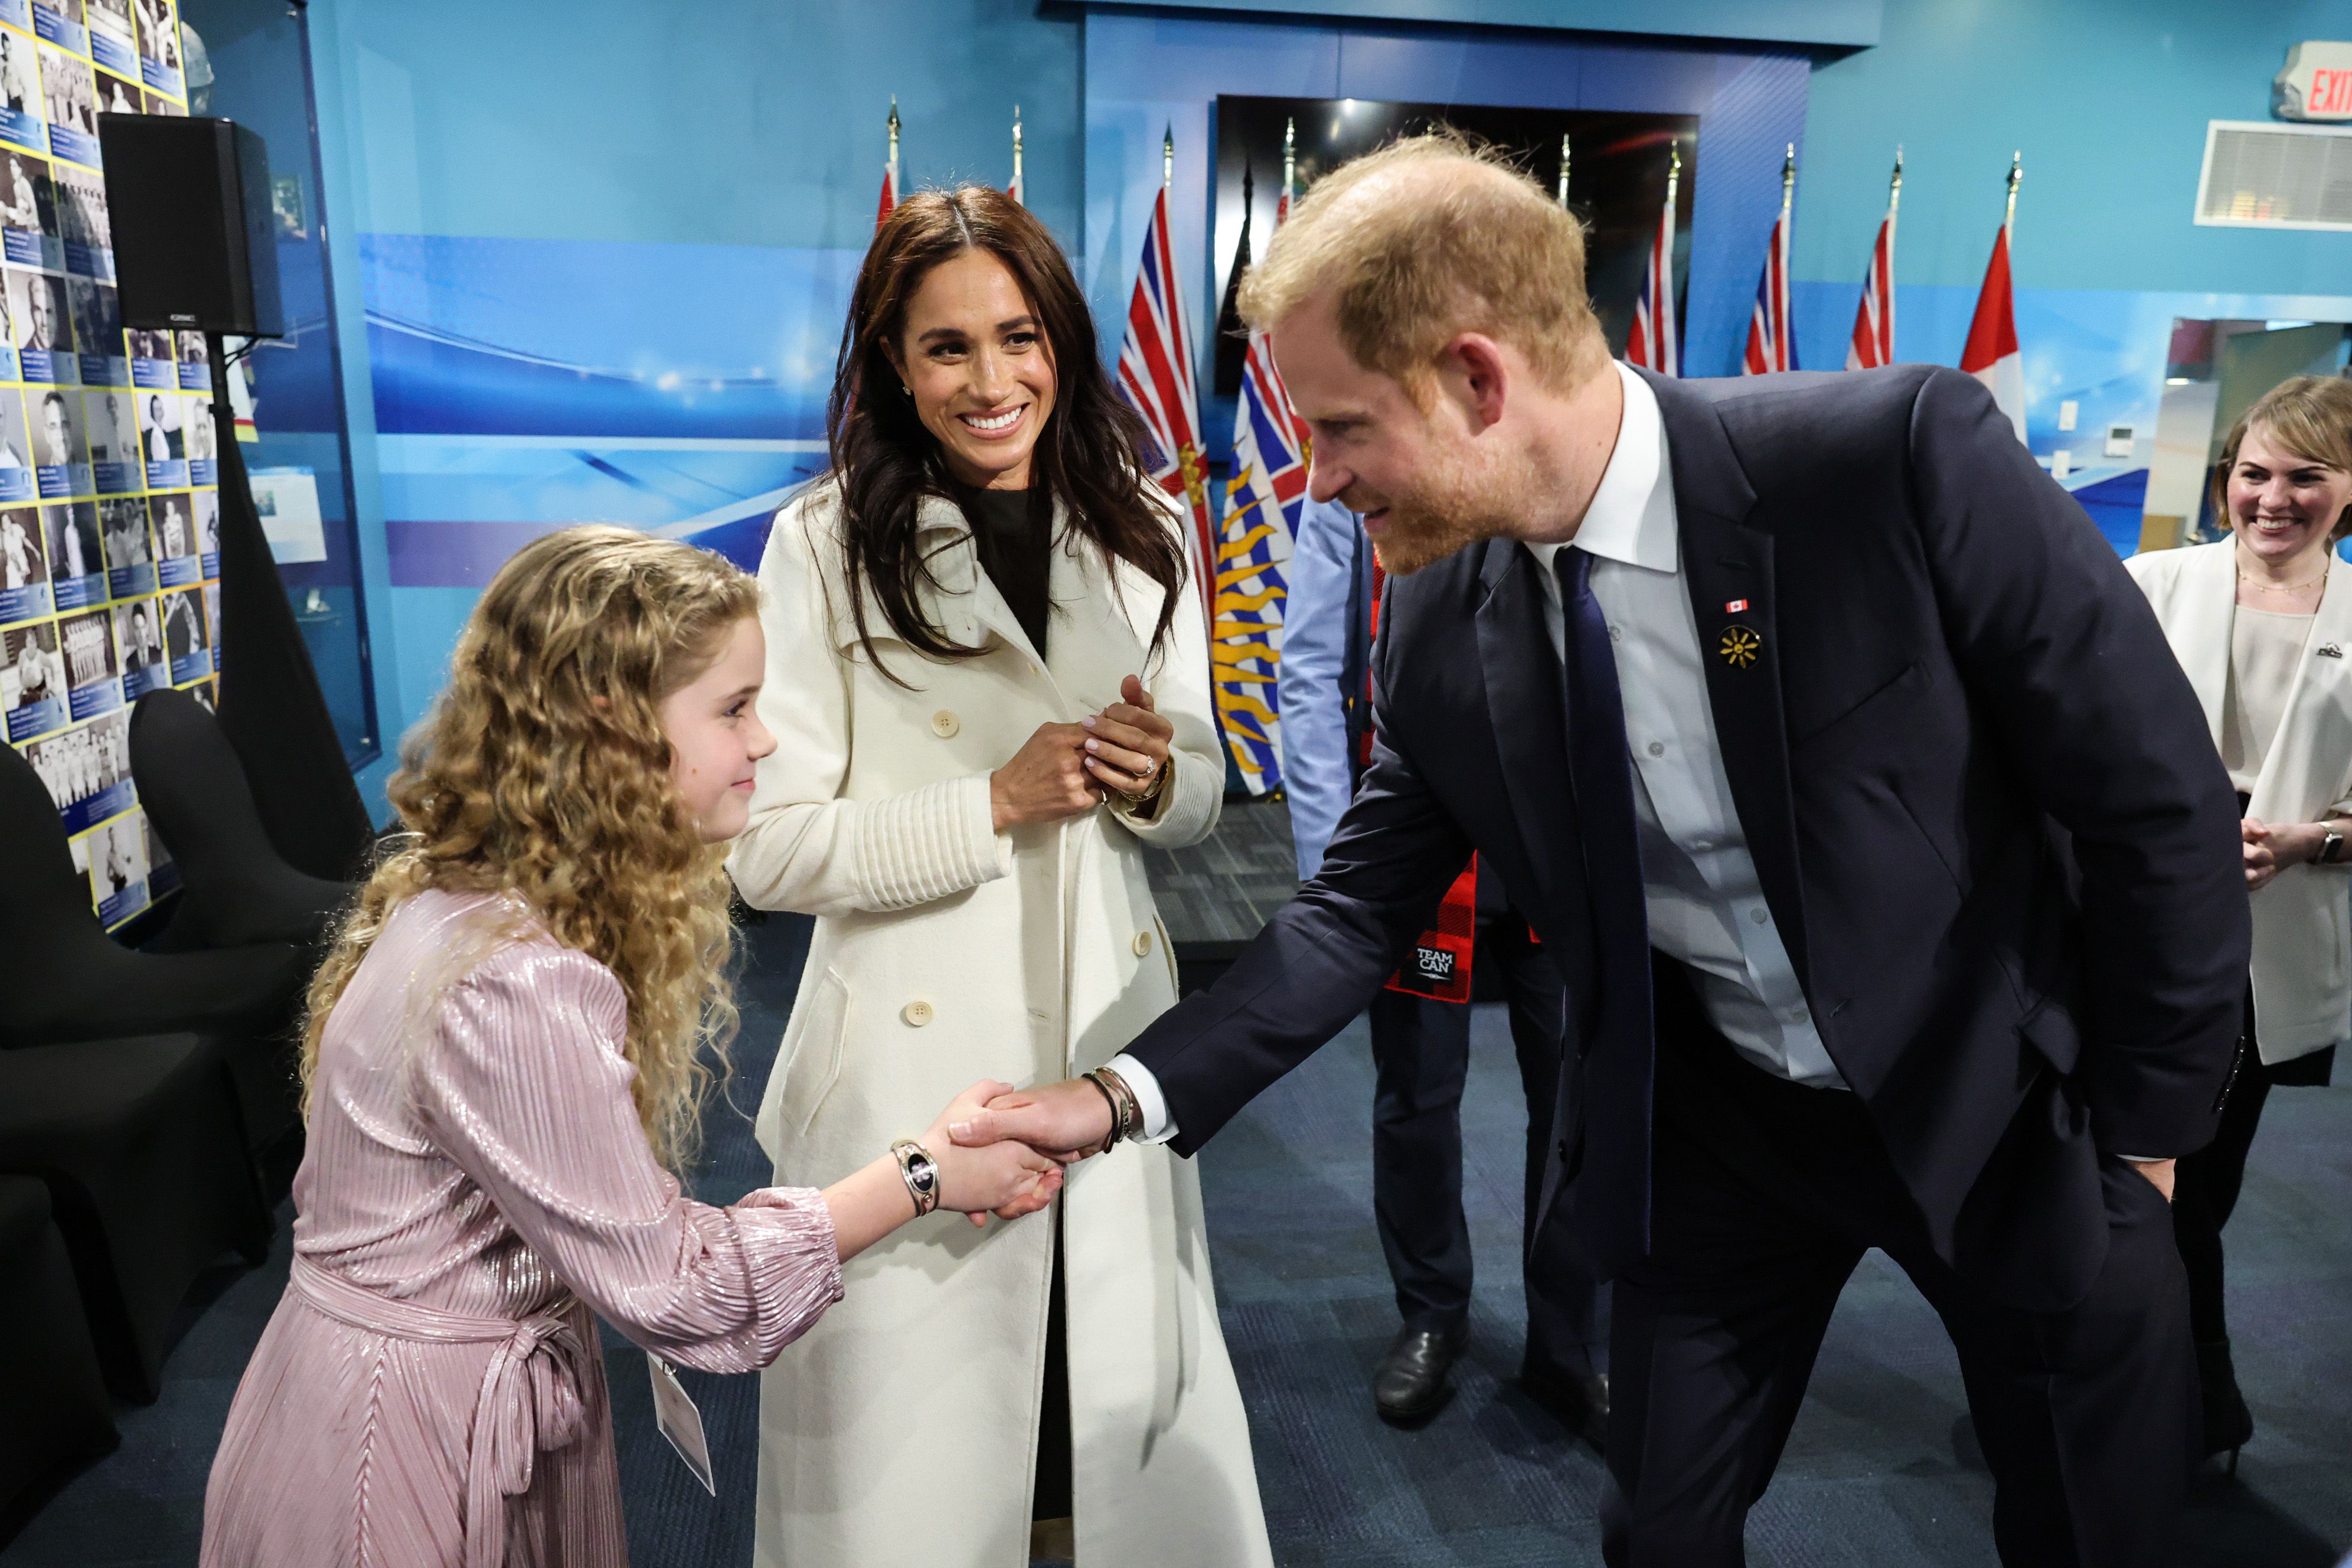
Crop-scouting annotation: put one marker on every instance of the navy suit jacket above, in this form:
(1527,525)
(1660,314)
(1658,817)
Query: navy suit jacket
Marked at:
(1980,796)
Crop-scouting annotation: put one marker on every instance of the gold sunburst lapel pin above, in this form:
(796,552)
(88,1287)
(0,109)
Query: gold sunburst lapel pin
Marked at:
(1740,646)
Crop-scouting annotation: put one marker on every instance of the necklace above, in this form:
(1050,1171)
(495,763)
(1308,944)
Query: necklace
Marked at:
(2243,576)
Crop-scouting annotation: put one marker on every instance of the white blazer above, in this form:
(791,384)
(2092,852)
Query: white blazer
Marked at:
(2303,922)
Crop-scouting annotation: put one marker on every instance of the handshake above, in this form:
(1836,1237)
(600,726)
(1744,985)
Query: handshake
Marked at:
(1000,1150)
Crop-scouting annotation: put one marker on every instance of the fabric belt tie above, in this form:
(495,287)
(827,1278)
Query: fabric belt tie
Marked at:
(529,1400)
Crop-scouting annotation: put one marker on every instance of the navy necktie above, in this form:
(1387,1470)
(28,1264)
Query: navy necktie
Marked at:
(1612,1189)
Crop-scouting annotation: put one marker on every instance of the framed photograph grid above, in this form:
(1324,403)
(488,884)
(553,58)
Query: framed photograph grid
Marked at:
(109,518)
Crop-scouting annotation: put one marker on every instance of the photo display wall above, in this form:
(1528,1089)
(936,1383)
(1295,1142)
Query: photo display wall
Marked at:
(110,517)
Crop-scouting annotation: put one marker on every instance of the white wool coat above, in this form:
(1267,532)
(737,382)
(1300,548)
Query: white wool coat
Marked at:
(902,1428)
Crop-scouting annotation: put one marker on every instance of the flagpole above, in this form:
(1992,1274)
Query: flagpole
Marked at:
(894,142)
(1674,172)
(1564,169)
(1168,158)
(1289,155)
(1788,182)
(1895,187)
(1016,151)
(2016,174)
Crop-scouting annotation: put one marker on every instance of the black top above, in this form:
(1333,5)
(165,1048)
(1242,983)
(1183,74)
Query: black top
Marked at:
(1012,529)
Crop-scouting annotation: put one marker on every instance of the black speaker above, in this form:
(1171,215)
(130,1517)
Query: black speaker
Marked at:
(195,241)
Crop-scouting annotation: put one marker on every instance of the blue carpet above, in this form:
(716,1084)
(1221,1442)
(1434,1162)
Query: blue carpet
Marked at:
(1880,1470)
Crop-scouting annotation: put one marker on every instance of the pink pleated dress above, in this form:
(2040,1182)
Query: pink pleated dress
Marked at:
(476,1183)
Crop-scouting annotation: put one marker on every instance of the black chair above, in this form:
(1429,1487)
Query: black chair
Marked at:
(70,981)
(54,1413)
(137,1142)
(235,888)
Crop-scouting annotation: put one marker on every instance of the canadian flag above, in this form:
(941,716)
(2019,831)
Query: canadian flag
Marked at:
(1991,353)
(1014,190)
(890,172)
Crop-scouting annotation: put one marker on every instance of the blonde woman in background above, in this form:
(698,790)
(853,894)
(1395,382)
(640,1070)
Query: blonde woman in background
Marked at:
(2262,621)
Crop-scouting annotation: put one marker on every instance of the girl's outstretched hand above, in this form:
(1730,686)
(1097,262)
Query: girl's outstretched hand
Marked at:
(1006,1179)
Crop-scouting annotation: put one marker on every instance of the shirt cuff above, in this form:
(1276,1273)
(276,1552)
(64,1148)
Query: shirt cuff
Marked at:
(1158,1125)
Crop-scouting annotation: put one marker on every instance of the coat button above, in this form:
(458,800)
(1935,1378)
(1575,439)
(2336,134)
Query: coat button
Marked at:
(944,724)
(1142,943)
(916,1014)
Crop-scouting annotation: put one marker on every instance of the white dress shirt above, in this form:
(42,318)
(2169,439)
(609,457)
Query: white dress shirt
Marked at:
(1705,903)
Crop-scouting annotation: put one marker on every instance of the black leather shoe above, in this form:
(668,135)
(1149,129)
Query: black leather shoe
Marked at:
(1578,1401)
(1411,1384)
(2228,1422)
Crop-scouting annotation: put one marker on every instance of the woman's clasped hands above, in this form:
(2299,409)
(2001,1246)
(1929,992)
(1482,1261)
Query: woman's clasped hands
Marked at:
(1068,770)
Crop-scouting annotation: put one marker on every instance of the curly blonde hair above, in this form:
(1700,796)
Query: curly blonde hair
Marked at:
(542,774)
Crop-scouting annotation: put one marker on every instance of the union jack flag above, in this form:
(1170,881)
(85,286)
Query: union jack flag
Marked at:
(1155,375)
(1771,342)
(1263,500)
(1651,344)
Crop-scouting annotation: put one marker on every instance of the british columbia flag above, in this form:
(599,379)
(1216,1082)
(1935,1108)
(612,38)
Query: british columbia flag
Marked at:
(1771,345)
(1263,500)
(1651,344)
(1873,318)
(1155,375)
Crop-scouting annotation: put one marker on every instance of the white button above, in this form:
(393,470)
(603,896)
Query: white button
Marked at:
(1701,846)
(1795,1015)
(1657,748)
(1760,914)
(1616,635)
(944,724)
(916,1014)
(1142,943)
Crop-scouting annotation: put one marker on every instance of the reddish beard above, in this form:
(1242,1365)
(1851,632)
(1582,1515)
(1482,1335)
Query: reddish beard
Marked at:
(1450,506)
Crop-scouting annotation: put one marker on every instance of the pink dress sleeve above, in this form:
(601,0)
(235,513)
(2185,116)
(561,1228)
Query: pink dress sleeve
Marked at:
(527,1092)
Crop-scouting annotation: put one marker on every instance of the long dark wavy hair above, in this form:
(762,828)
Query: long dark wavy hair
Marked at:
(886,461)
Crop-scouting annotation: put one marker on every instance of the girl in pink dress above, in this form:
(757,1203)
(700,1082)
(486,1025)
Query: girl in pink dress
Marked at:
(502,1068)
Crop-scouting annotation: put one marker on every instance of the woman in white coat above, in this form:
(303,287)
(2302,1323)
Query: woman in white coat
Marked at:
(988,680)
(2261,622)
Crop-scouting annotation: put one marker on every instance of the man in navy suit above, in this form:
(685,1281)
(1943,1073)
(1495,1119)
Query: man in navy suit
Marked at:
(1879,841)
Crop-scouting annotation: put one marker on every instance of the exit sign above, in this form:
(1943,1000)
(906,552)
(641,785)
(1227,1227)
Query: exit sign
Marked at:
(2315,83)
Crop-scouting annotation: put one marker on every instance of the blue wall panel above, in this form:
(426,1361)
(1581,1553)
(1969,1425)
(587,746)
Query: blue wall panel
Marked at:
(695,141)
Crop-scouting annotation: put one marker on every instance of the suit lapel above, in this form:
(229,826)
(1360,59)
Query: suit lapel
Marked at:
(1526,710)
(1727,567)
(2207,597)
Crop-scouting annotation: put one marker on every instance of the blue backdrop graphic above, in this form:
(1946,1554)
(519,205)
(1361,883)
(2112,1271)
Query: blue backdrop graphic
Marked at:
(524,385)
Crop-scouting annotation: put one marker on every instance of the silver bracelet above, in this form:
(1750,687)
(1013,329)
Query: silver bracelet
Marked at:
(920,1173)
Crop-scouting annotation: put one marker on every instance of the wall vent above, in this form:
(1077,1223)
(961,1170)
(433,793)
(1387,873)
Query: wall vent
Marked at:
(2260,175)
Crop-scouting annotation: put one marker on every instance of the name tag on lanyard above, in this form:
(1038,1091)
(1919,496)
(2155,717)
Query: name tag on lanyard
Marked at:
(680,1422)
